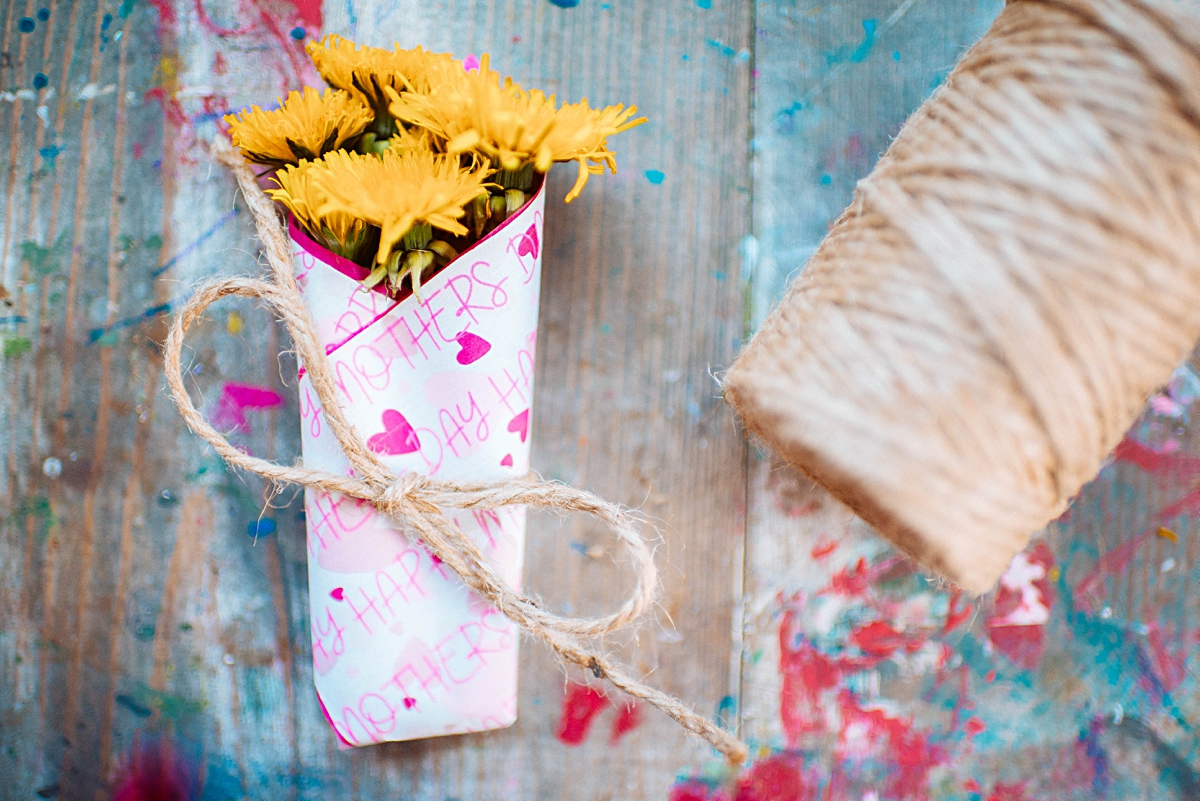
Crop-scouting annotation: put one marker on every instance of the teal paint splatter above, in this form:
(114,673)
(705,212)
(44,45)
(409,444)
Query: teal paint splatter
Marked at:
(856,54)
(655,176)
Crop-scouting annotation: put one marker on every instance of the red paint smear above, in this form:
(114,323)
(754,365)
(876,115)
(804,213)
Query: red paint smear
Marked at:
(972,786)
(779,777)
(806,675)
(975,726)
(879,640)
(910,754)
(166,13)
(1169,664)
(1008,792)
(237,398)
(691,790)
(1023,645)
(1115,561)
(823,548)
(1165,465)
(581,704)
(157,773)
(628,718)
(309,12)
(954,615)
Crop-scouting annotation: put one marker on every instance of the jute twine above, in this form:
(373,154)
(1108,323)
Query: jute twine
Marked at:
(415,501)
(1017,275)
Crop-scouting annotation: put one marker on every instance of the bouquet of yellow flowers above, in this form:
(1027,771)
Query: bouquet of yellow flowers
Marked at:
(409,158)
(414,189)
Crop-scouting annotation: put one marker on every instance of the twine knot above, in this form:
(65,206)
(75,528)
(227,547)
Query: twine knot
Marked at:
(417,501)
(406,497)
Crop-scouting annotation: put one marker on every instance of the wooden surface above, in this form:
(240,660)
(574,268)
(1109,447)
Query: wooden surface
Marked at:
(137,608)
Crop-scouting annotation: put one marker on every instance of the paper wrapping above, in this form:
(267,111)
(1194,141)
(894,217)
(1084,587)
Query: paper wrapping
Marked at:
(441,385)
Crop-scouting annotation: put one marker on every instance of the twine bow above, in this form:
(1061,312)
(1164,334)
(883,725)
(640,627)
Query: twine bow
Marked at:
(417,501)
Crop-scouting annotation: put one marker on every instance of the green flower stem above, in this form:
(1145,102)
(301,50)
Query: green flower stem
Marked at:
(520,178)
(417,237)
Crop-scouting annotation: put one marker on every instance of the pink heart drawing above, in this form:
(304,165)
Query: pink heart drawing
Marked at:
(472,347)
(397,437)
(337,594)
(507,461)
(520,424)
(410,702)
(529,243)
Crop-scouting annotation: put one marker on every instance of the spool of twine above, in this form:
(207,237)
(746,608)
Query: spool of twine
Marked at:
(1016,276)
(418,502)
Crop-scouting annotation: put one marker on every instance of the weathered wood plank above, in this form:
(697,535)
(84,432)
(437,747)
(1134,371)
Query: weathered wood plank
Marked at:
(133,604)
(862,679)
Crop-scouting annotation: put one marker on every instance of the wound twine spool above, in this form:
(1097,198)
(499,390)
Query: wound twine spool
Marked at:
(1019,272)
(416,501)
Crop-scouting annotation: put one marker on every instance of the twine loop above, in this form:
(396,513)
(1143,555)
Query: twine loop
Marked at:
(416,501)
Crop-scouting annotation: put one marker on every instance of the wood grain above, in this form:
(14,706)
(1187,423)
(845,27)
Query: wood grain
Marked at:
(133,606)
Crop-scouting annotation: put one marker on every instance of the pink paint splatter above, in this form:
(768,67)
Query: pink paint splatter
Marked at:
(581,704)
(236,399)
(628,718)
(158,773)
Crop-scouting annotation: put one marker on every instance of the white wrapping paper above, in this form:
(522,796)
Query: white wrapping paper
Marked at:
(442,385)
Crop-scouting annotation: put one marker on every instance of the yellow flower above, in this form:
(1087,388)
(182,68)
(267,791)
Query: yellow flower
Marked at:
(398,191)
(366,71)
(340,231)
(513,127)
(304,127)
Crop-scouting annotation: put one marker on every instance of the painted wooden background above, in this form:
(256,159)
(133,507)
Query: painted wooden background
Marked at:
(148,605)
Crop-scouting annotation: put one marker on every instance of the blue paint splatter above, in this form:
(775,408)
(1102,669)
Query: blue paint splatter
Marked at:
(48,154)
(26,25)
(564,3)
(895,55)
(261,528)
(105,22)
(43,14)
(655,176)
(826,179)
(859,53)
(297,33)
(606,329)
(40,81)
(704,3)
(725,49)
(785,121)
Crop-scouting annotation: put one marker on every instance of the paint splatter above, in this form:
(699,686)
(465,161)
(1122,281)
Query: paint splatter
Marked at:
(655,176)
(855,54)
(1016,626)
(628,718)
(158,772)
(237,399)
(581,704)
(564,3)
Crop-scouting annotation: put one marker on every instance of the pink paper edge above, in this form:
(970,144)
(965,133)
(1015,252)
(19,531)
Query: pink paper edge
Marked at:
(357,272)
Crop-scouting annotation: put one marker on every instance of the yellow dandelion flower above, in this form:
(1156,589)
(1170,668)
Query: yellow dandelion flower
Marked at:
(401,189)
(339,230)
(305,126)
(366,71)
(518,130)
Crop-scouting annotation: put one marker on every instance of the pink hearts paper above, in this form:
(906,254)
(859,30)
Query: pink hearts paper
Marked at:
(472,347)
(397,438)
(520,424)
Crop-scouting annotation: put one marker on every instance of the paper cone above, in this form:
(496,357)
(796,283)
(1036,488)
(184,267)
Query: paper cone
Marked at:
(443,386)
